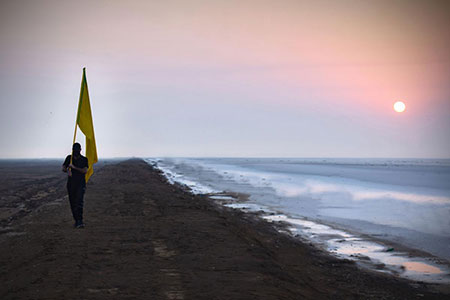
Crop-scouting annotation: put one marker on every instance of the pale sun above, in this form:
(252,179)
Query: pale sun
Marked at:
(399,106)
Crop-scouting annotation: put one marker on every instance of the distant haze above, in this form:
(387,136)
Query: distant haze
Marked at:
(227,78)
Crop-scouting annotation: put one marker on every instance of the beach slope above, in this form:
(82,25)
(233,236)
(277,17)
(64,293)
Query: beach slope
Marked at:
(147,239)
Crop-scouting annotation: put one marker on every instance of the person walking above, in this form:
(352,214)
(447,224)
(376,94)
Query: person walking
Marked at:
(77,167)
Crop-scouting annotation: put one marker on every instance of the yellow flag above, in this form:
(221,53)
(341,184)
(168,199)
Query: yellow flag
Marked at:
(84,121)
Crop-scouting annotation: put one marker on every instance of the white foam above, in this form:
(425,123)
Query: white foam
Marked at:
(174,177)
(250,207)
(221,197)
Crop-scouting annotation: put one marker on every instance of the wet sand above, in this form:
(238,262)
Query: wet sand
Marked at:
(147,239)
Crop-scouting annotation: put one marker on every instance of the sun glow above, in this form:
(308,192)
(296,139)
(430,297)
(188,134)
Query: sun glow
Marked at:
(399,106)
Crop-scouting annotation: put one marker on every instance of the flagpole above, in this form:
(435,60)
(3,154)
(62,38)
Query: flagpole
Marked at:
(76,119)
(74,138)
(75,132)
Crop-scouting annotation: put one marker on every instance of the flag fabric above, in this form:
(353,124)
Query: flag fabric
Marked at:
(86,125)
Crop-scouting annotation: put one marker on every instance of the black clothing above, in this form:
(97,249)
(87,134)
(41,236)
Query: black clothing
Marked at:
(76,186)
(79,162)
(76,195)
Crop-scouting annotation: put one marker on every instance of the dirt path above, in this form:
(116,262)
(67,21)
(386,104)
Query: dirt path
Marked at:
(147,239)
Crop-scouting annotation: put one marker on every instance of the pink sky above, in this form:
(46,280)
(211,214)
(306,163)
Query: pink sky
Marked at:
(229,78)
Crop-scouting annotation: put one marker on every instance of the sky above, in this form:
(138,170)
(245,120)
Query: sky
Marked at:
(247,78)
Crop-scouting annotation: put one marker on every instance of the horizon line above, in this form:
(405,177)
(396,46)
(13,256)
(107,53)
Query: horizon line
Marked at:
(260,157)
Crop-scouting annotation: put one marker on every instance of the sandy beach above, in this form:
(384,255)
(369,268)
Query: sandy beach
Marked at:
(148,239)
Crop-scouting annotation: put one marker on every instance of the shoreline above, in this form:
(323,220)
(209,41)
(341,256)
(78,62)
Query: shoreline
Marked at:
(146,238)
(421,255)
(369,252)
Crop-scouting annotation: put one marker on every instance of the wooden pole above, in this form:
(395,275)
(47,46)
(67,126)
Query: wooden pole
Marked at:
(76,119)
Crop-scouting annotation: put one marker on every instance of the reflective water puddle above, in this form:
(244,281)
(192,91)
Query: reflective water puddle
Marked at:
(367,253)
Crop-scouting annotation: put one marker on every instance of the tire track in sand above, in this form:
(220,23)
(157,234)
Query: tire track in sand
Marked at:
(173,289)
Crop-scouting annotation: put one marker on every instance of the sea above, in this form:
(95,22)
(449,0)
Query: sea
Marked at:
(389,215)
